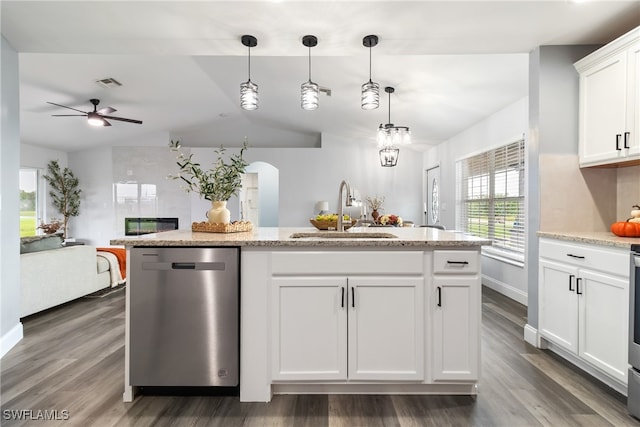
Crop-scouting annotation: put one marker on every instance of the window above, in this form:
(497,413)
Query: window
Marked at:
(30,206)
(490,196)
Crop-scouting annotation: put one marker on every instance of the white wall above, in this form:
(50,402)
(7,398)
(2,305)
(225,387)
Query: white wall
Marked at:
(10,294)
(507,125)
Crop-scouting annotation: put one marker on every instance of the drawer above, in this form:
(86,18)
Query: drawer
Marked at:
(602,258)
(455,262)
(347,263)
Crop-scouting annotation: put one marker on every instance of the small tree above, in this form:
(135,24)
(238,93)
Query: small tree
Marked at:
(65,194)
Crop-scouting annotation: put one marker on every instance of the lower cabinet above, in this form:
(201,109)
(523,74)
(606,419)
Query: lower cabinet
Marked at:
(584,304)
(456,328)
(348,328)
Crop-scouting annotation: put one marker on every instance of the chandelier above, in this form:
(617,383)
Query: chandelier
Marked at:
(390,137)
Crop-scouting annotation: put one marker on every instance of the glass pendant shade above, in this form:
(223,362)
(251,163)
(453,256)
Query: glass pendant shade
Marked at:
(249,95)
(389,156)
(309,91)
(370,99)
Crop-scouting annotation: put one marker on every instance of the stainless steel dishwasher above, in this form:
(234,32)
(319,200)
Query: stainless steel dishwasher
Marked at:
(184,311)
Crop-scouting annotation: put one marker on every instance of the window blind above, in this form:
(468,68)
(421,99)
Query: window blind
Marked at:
(490,196)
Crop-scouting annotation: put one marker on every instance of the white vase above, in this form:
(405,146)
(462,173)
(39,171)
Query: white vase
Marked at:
(218,214)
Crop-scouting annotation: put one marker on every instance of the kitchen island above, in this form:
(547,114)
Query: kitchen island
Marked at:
(348,312)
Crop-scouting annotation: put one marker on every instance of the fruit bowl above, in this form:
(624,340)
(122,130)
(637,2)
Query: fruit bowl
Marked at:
(331,225)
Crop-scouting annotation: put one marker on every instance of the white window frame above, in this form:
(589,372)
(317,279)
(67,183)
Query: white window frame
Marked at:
(480,169)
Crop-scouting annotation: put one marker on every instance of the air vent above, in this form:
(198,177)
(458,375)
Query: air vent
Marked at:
(109,82)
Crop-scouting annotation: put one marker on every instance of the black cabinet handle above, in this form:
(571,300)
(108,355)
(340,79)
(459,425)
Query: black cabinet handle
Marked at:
(183,265)
(571,277)
(626,139)
(618,136)
(342,299)
(578,281)
(353,297)
(439,289)
(458,262)
(575,256)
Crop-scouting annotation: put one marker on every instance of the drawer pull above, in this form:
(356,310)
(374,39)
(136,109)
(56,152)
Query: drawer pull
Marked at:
(458,262)
(575,256)
(618,136)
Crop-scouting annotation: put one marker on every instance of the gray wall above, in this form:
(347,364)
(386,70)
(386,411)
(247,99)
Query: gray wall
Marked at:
(10,326)
(553,121)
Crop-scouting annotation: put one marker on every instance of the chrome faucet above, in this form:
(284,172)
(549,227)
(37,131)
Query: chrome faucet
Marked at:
(343,184)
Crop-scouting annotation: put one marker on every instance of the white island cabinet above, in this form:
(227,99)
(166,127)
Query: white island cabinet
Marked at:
(352,315)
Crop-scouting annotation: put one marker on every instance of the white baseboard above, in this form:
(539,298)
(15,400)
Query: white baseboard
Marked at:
(10,339)
(506,290)
(531,335)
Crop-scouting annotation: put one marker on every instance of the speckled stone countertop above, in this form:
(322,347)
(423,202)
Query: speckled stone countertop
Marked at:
(280,237)
(604,238)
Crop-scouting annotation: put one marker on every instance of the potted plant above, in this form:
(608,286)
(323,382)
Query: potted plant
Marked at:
(217,184)
(65,192)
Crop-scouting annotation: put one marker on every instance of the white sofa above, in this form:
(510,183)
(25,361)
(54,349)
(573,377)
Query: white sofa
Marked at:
(52,277)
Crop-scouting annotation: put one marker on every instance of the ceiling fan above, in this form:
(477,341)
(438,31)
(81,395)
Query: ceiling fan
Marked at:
(95,117)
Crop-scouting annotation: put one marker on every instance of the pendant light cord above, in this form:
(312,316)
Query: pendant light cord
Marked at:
(369,64)
(389,109)
(309,63)
(249,47)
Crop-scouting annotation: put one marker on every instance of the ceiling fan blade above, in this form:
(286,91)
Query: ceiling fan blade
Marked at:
(64,106)
(69,115)
(123,119)
(106,123)
(106,110)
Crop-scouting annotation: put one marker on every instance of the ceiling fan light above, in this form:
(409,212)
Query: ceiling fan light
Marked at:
(309,98)
(389,157)
(94,119)
(249,96)
(370,99)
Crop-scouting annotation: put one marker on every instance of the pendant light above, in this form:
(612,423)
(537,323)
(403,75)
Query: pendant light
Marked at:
(370,98)
(248,89)
(389,156)
(309,89)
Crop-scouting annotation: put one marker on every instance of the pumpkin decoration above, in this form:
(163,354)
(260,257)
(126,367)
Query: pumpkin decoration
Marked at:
(626,229)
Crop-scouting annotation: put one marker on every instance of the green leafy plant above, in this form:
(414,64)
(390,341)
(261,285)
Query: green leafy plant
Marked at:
(65,192)
(220,182)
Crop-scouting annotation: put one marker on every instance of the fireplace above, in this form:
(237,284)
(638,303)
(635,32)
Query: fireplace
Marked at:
(138,226)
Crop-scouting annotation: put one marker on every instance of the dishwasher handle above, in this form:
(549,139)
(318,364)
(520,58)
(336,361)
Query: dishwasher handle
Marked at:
(164,266)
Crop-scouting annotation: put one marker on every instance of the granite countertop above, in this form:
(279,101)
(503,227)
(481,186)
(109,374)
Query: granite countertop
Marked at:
(280,237)
(604,238)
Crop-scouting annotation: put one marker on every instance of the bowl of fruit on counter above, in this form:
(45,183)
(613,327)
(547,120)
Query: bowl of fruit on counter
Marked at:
(330,221)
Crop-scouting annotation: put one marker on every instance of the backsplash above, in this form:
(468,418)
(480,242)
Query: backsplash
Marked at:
(589,199)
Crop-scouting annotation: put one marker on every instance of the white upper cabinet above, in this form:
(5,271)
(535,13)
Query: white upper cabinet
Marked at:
(609,112)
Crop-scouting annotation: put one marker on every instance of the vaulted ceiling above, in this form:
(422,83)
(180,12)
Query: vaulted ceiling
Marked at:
(180,63)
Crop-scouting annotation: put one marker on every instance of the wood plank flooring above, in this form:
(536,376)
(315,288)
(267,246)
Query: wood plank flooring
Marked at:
(72,359)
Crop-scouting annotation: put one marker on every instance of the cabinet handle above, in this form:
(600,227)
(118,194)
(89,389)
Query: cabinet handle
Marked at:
(578,281)
(575,256)
(618,136)
(353,297)
(458,262)
(571,277)
(342,299)
(626,139)
(439,289)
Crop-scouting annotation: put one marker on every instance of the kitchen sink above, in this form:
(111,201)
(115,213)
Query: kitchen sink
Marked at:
(343,235)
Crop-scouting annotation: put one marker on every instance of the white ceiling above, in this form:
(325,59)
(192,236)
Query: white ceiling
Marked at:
(181,63)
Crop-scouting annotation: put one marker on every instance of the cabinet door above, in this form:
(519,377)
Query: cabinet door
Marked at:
(558,308)
(386,328)
(633,102)
(309,327)
(604,322)
(603,94)
(456,328)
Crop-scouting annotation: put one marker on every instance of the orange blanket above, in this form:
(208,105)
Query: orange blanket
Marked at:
(121,254)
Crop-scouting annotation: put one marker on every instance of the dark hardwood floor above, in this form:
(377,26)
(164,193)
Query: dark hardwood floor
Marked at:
(71,362)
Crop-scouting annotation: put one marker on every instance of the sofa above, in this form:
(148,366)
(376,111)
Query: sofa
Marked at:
(52,274)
